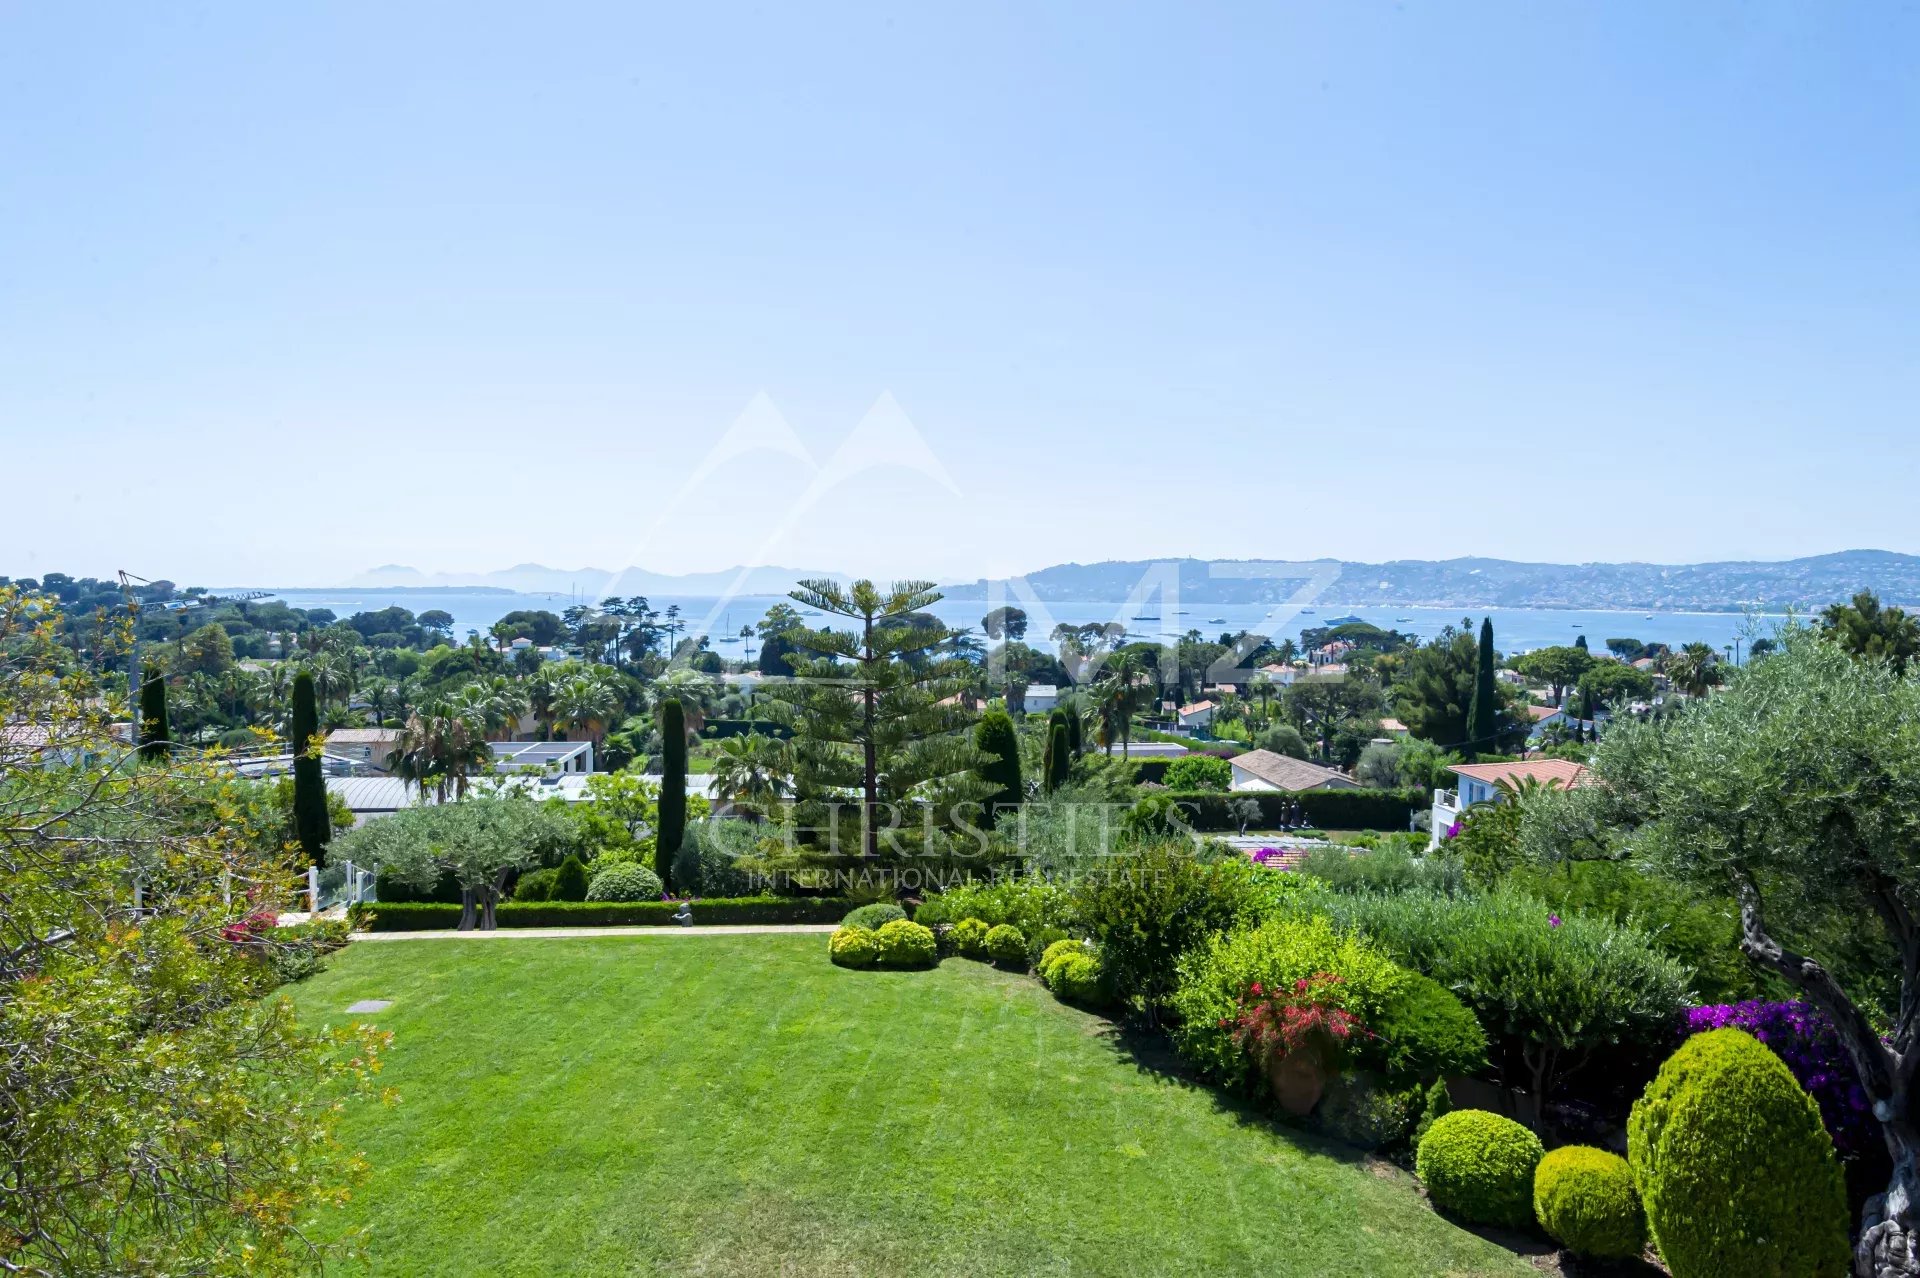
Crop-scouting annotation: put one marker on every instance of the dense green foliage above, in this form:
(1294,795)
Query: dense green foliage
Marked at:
(1586,1201)
(1031,904)
(1006,944)
(1149,909)
(1736,1171)
(570,881)
(999,746)
(712,859)
(853,946)
(1480,1166)
(155,735)
(1422,1032)
(1199,772)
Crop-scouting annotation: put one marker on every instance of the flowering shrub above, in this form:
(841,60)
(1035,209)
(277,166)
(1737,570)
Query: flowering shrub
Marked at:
(250,929)
(1277,1021)
(1801,1035)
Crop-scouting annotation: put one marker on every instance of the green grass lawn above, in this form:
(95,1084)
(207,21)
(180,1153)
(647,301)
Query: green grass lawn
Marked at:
(736,1105)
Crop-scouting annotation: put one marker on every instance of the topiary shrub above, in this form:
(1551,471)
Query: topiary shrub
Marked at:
(970,938)
(1053,954)
(1437,1104)
(1079,977)
(624,881)
(1007,944)
(874,917)
(535,885)
(1422,1032)
(1039,941)
(902,943)
(1480,1167)
(1584,1198)
(853,947)
(1736,1172)
(570,881)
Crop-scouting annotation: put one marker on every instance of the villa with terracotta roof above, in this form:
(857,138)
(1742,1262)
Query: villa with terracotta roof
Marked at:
(1481,782)
(1197,715)
(1265,770)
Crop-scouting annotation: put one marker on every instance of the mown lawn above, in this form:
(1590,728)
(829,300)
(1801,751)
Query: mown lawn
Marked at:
(736,1105)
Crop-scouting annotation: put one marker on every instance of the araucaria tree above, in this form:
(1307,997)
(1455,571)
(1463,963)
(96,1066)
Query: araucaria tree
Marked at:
(673,788)
(310,823)
(1796,792)
(877,719)
(155,736)
(1483,715)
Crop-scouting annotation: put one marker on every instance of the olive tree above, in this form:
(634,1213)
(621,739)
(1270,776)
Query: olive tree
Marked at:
(1796,791)
(480,840)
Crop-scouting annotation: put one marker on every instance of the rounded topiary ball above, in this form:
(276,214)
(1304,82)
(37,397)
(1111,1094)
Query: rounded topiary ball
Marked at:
(1737,1174)
(1480,1167)
(853,947)
(1007,944)
(624,882)
(1584,1198)
(1053,954)
(1079,978)
(902,943)
(970,937)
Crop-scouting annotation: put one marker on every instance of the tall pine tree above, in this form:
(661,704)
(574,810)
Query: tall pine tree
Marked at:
(1483,717)
(672,828)
(310,823)
(877,717)
(155,737)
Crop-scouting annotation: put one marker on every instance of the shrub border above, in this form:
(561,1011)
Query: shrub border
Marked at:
(412,916)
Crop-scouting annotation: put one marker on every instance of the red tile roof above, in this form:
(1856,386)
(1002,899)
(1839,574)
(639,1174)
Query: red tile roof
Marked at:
(1564,773)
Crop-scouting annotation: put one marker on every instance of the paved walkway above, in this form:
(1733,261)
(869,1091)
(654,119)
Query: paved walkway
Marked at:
(538,933)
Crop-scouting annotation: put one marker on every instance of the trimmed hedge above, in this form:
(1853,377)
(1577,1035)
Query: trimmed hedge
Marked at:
(1585,1200)
(1007,944)
(422,917)
(1735,1170)
(875,916)
(1480,1166)
(905,944)
(1325,809)
(853,946)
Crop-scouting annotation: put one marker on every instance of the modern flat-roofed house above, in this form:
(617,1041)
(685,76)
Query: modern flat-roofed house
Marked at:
(1265,770)
(1042,698)
(541,756)
(371,746)
(1481,782)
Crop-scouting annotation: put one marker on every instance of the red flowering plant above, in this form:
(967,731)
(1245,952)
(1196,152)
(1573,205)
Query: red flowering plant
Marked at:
(1279,1021)
(251,929)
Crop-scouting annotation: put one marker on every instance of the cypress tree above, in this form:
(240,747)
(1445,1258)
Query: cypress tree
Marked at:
(1075,740)
(154,735)
(672,827)
(1482,717)
(1059,757)
(995,736)
(1580,642)
(310,824)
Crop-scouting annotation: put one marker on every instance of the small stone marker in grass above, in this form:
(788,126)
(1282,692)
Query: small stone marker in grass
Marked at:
(371,1005)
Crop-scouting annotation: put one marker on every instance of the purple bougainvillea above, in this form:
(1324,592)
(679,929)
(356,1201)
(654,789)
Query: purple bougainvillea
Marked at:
(1801,1035)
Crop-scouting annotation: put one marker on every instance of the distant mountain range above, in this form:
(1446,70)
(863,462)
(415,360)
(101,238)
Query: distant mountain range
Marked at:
(1451,583)
(1500,583)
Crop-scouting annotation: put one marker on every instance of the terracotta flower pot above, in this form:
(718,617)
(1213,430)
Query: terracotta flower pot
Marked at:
(1297,1080)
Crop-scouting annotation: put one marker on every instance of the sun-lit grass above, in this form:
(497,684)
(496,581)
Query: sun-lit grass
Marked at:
(736,1105)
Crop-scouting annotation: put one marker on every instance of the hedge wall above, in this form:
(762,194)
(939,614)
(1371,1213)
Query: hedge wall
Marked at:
(389,916)
(1325,809)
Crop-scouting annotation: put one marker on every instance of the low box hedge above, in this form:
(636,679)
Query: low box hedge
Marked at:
(1325,809)
(408,916)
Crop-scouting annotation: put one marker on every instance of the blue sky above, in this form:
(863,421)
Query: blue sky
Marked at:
(290,291)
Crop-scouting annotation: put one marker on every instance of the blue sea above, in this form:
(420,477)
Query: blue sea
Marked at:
(1515,629)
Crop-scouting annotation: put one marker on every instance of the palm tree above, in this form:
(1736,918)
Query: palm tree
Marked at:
(1261,686)
(377,693)
(696,693)
(496,700)
(1694,669)
(1119,683)
(587,701)
(751,772)
(441,746)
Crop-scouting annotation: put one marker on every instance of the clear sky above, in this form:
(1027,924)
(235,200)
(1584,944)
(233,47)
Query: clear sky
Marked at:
(288,291)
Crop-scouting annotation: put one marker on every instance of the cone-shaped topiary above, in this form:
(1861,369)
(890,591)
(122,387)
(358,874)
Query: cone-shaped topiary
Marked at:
(1584,1198)
(997,739)
(1480,1167)
(570,880)
(1736,1172)
(155,737)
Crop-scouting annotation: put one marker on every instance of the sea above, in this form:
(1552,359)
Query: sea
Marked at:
(1515,629)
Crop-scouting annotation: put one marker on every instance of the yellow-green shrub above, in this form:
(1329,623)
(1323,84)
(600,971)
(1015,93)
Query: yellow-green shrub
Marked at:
(1737,1174)
(853,947)
(1480,1167)
(902,943)
(970,938)
(1007,944)
(1584,1198)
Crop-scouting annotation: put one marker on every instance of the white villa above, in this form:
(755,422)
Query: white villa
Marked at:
(1480,783)
(1265,770)
(1197,715)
